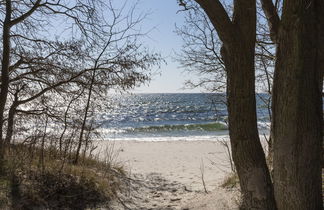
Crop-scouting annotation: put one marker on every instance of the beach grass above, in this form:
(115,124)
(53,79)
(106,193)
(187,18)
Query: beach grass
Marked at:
(45,179)
(230,181)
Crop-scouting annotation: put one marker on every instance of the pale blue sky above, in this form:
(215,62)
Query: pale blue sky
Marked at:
(163,17)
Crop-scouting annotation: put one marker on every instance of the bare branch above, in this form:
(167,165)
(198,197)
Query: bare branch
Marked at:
(220,19)
(25,15)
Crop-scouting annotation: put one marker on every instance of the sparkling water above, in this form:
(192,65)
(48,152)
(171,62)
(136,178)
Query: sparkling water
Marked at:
(195,116)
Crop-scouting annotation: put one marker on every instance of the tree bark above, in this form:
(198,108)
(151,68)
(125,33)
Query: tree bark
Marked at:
(247,152)
(272,17)
(297,110)
(8,23)
(5,63)
(239,36)
(10,126)
(11,118)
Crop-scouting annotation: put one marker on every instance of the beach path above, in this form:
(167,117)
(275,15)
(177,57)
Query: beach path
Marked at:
(169,173)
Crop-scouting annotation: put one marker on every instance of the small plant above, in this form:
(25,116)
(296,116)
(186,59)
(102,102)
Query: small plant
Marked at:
(226,144)
(230,181)
(202,172)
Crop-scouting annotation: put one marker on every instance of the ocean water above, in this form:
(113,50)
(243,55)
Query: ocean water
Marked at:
(156,117)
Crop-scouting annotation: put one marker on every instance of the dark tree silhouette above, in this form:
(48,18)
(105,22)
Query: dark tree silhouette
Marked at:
(238,35)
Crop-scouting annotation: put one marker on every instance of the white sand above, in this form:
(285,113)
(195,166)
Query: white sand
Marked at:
(171,174)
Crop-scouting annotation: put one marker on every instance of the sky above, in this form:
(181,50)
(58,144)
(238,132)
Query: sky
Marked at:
(162,19)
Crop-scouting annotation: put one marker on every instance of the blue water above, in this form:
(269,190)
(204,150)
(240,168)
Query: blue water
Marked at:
(196,115)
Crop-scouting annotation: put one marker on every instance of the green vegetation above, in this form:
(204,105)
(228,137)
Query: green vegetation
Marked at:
(204,127)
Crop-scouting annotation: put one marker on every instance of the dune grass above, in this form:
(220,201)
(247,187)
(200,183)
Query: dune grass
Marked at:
(230,181)
(47,179)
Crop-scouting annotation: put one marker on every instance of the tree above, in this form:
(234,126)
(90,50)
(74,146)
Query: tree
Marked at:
(200,55)
(238,36)
(21,16)
(297,102)
(98,51)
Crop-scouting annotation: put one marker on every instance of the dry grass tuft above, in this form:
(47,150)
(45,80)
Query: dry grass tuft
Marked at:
(231,181)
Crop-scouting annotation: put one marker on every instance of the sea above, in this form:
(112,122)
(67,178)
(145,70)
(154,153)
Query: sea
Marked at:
(171,116)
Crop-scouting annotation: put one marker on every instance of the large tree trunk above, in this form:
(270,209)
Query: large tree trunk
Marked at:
(297,110)
(247,152)
(239,36)
(5,63)
(248,155)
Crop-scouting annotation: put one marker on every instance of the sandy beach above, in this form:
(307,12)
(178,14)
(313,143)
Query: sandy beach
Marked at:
(168,174)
